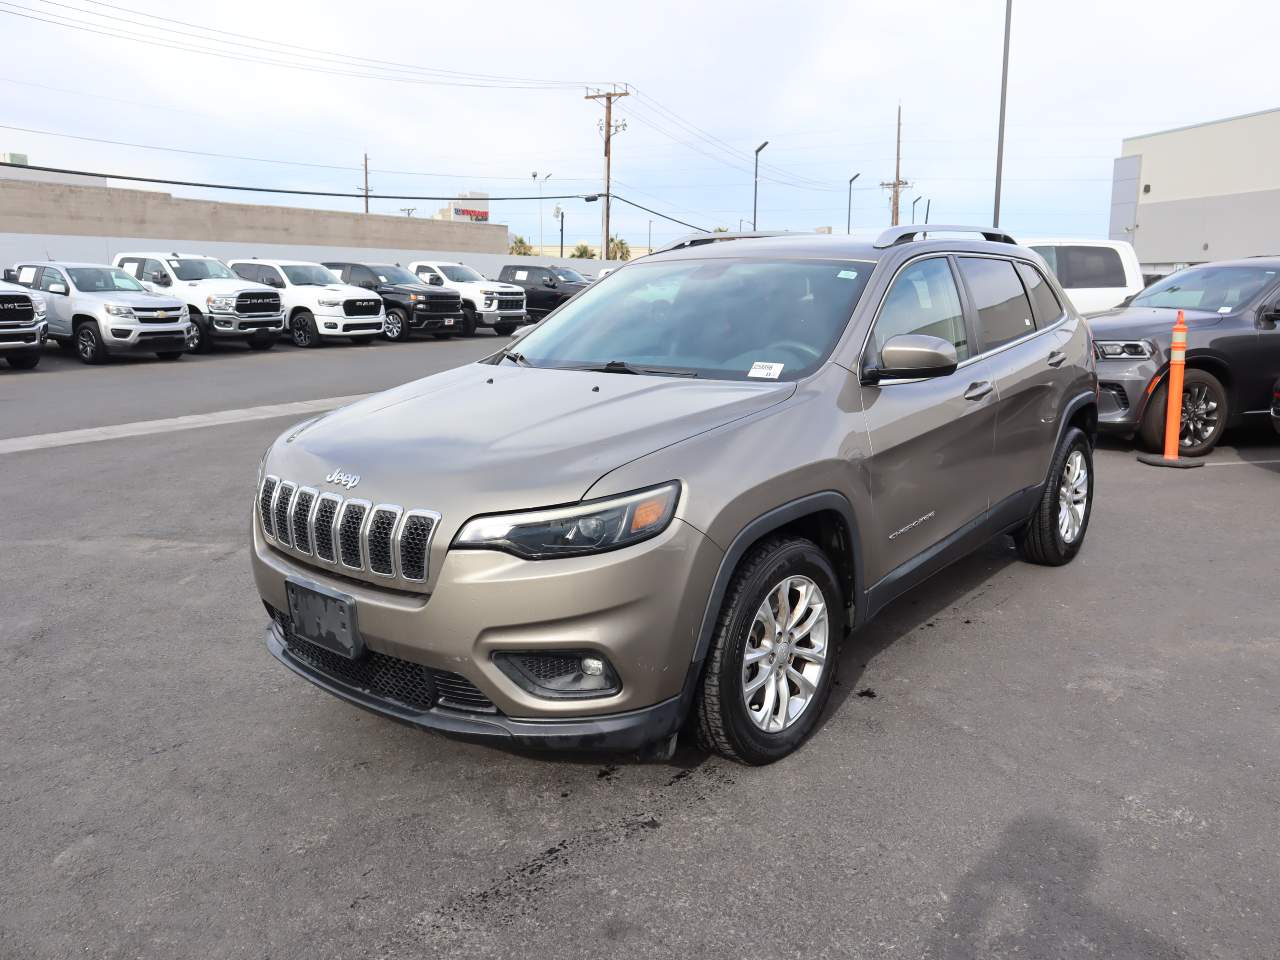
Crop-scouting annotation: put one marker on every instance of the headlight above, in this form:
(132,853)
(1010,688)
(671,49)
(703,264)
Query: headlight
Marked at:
(1123,349)
(40,307)
(591,527)
(184,313)
(116,310)
(416,296)
(221,304)
(329,303)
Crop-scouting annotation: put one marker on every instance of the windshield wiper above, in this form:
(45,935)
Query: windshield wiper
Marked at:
(621,366)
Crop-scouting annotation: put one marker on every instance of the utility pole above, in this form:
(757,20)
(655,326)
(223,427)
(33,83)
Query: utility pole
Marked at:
(608,98)
(848,220)
(755,189)
(913,208)
(898,183)
(366,183)
(558,213)
(651,236)
(928,204)
(1004,87)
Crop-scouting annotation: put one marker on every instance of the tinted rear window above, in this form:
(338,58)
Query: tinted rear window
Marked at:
(1004,312)
(1048,309)
(1083,268)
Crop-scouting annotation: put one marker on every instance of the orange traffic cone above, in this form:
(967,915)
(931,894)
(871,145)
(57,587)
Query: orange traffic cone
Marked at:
(1173,414)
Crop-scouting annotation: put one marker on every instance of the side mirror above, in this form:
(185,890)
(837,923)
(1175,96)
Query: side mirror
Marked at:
(368,284)
(275,282)
(58,288)
(521,332)
(1127,300)
(1270,315)
(548,281)
(10,275)
(160,279)
(436,280)
(909,356)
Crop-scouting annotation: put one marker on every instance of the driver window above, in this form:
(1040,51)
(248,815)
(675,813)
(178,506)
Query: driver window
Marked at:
(923,299)
(48,277)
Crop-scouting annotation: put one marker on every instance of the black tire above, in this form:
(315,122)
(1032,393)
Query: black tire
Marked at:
(302,329)
(67,345)
(1041,540)
(171,354)
(1199,388)
(89,346)
(721,718)
(260,342)
(504,329)
(203,339)
(28,360)
(469,322)
(398,321)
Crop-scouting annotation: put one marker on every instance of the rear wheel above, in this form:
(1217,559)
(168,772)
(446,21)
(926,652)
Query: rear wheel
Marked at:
(1056,530)
(772,659)
(504,329)
(302,329)
(396,325)
(468,320)
(171,354)
(24,361)
(89,346)
(1204,415)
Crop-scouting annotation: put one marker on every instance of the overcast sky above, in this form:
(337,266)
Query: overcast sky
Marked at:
(819,81)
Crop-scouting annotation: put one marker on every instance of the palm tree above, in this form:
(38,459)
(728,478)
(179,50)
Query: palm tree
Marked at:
(583,252)
(520,247)
(720,230)
(619,249)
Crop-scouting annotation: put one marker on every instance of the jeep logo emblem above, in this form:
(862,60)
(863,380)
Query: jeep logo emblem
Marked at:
(347,480)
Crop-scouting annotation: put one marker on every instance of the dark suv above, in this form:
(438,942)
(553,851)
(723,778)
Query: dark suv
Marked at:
(545,288)
(1232,312)
(410,304)
(671,499)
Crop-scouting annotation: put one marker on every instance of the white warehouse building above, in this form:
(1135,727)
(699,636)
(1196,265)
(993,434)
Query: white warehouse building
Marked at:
(1210,191)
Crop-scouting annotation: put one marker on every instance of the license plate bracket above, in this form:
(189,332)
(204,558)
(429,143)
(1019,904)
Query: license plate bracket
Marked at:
(324,617)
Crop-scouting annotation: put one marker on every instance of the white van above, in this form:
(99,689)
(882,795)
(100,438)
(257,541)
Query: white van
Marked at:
(1096,274)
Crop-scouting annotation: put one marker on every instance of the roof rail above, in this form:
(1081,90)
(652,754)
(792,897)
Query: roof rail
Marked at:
(905,234)
(698,239)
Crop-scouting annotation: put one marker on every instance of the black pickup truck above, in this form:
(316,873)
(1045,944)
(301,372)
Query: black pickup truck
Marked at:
(545,288)
(410,304)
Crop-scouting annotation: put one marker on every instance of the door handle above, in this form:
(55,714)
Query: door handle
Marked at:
(1057,358)
(978,390)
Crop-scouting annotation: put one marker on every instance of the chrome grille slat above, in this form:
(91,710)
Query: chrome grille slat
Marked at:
(381,541)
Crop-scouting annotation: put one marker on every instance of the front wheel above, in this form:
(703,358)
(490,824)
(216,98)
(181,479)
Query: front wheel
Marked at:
(89,346)
(504,329)
(201,340)
(1204,415)
(1056,530)
(468,320)
(302,328)
(395,326)
(24,361)
(772,659)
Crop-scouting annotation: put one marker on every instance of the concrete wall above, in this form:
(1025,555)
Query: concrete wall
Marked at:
(1208,228)
(32,206)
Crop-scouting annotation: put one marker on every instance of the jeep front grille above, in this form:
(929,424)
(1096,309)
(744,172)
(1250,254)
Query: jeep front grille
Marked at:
(382,540)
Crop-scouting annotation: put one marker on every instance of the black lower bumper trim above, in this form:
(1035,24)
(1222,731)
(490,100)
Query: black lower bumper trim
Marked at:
(616,731)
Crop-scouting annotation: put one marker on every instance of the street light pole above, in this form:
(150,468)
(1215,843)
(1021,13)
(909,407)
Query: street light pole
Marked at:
(540,183)
(1004,87)
(755,190)
(558,213)
(848,220)
(913,208)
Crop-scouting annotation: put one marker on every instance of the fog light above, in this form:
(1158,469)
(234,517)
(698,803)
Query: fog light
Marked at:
(119,334)
(224,324)
(592,666)
(560,674)
(331,326)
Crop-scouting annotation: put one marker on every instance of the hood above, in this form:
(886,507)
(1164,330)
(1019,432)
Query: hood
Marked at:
(341,289)
(219,286)
(156,301)
(1153,323)
(421,289)
(486,439)
(486,285)
(572,286)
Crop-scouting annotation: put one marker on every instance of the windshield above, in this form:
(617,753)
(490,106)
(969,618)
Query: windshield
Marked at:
(569,276)
(309,275)
(93,279)
(460,274)
(1220,289)
(718,318)
(389,274)
(200,270)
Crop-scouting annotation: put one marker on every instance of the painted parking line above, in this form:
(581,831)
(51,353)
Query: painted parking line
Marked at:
(1238,463)
(194,421)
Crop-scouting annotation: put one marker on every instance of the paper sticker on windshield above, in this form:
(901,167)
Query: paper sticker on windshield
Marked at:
(848,274)
(765,371)
(1224,309)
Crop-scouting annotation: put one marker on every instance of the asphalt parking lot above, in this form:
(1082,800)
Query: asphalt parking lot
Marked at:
(1018,761)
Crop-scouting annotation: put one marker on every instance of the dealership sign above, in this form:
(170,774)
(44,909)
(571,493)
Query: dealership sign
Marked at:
(471,214)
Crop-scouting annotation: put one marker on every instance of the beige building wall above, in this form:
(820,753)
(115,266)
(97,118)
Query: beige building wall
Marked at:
(36,207)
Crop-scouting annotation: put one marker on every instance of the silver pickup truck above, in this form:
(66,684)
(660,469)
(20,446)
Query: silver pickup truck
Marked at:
(23,328)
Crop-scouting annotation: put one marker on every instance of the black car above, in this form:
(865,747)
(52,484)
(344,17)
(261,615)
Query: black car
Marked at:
(1232,312)
(1275,406)
(545,288)
(410,303)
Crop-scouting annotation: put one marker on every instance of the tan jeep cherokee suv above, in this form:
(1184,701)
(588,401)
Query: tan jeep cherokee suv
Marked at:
(670,501)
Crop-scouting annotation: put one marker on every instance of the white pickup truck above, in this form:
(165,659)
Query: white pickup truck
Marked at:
(222,305)
(485,302)
(23,324)
(317,304)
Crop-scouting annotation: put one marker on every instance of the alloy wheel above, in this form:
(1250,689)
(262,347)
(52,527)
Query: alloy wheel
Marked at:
(301,335)
(1073,496)
(1199,415)
(391,326)
(86,344)
(785,655)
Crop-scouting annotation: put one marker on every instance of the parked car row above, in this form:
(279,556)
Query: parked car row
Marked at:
(172,303)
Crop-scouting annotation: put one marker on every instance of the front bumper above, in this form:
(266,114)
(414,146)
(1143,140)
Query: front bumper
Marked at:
(340,325)
(640,607)
(424,318)
(32,336)
(490,318)
(146,337)
(235,325)
(1124,388)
